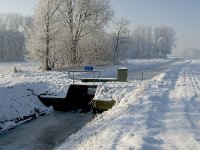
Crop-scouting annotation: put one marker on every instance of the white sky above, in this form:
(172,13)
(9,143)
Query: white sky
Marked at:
(25,7)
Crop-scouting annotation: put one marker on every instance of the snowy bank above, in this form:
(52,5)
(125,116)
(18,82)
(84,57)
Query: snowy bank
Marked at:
(19,95)
(162,113)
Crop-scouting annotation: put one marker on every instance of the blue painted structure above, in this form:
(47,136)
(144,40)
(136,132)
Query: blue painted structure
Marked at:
(88,68)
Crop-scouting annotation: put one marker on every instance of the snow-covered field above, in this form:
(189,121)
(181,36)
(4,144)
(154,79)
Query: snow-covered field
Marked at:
(161,113)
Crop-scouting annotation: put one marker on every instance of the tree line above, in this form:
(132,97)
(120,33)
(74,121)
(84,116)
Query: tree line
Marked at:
(11,36)
(71,33)
(148,42)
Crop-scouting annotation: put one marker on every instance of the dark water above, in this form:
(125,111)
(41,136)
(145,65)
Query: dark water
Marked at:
(45,132)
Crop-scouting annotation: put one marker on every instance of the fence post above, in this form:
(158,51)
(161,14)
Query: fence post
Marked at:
(142,75)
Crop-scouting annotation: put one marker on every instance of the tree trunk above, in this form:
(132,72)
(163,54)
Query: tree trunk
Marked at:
(116,52)
(47,47)
(74,51)
(47,57)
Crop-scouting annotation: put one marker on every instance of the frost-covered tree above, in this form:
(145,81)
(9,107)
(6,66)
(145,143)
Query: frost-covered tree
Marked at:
(148,43)
(142,42)
(121,36)
(26,25)
(164,40)
(42,36)
(60,27)
(95,48)
(83,17)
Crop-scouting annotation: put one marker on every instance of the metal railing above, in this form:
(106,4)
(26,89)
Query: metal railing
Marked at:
(95,74)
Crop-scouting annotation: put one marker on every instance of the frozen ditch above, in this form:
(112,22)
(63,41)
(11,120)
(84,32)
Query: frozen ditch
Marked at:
(45,132)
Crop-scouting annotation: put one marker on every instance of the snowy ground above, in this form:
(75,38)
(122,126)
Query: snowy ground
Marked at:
(161,113)
(19,90)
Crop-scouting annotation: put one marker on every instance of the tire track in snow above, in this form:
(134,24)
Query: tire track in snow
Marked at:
(181,120)
(192,108)
(158,96)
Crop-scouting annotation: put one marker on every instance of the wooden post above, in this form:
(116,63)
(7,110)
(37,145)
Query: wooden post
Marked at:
(142,76)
